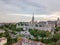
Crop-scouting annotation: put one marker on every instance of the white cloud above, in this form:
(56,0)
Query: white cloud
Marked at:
(21,10)
(29,6)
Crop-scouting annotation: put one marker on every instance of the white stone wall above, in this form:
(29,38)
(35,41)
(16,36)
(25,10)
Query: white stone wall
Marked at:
(46,28)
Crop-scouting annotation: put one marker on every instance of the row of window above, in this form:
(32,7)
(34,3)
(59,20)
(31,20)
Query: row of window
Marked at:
(31,25)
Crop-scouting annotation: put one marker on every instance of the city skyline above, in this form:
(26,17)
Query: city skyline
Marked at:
(27,18)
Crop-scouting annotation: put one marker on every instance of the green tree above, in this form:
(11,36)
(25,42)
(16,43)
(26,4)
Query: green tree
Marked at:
(58,42)
(57,36)
(57,29)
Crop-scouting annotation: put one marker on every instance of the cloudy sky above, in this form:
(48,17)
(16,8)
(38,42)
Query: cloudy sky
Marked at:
(21,10)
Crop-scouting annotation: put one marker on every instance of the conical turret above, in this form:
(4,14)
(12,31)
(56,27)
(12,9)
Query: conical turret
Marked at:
(58,22)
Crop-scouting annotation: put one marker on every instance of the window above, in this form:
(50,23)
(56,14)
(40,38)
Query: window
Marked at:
(22,24)
(26,25)
(40,25)
(36,25)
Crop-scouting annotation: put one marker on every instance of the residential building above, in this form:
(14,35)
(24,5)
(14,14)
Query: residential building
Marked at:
(3,41)
(24,41)
(2,31)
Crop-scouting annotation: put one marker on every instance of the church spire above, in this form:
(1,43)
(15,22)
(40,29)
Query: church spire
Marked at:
(33,18)
(58,19)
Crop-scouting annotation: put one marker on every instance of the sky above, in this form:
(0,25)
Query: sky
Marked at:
(15,10)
